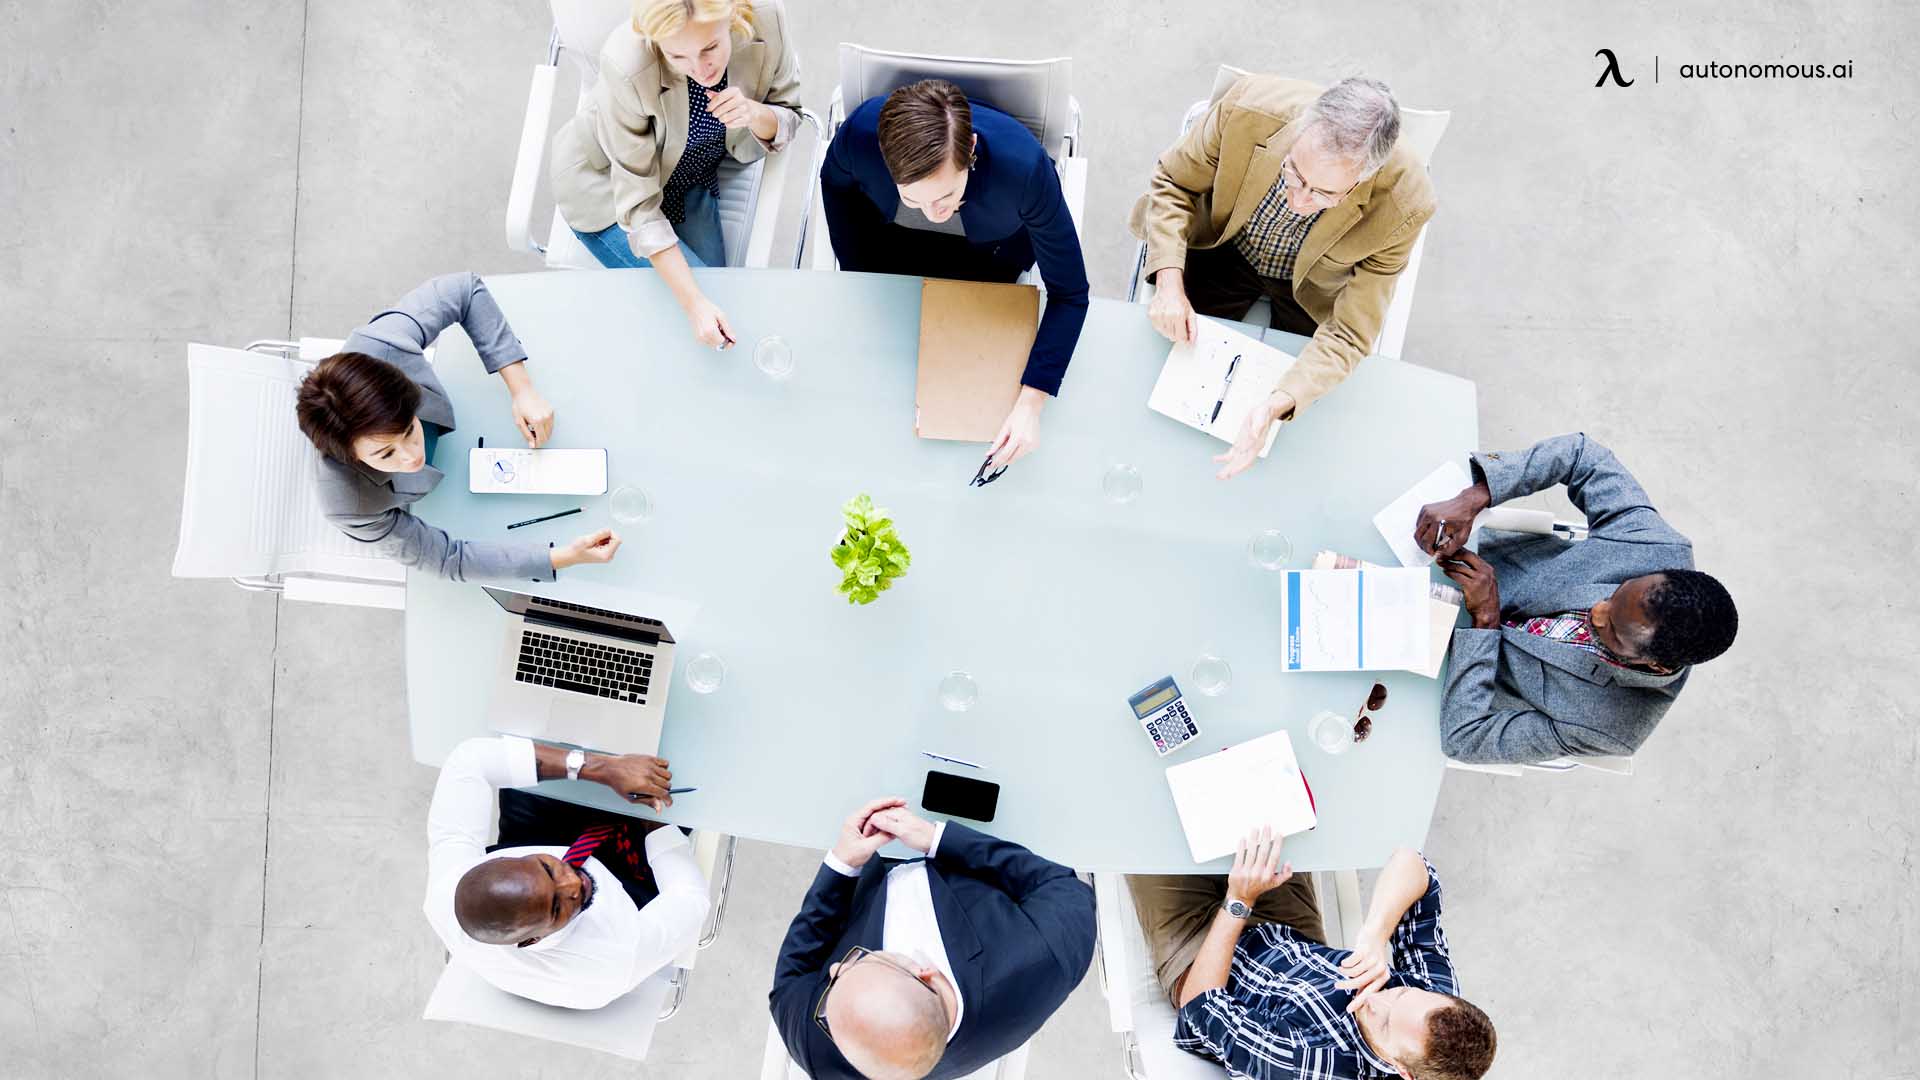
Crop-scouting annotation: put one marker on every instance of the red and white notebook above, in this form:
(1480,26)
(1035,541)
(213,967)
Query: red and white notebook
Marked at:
(1223,796)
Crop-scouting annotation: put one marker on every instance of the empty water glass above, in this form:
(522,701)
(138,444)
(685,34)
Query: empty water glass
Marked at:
(1269,549)
(958,691)
(1211,675)
(630,504)
(705,673)
(773,356)
(1121,484)
(1331,732)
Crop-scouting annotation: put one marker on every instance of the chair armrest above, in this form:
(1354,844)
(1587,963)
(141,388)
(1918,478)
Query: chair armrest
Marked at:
(819,155)
(531,161)
(1113,910)
(1073,187)
(775,1064)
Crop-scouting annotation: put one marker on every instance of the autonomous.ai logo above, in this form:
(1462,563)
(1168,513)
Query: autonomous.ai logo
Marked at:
(1611,71)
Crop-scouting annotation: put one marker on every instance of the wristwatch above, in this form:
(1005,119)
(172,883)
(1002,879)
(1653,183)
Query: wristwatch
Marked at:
(1235,908)
(575,759)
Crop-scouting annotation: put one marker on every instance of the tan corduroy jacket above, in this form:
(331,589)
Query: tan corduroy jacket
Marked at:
(611,161)
(1208,184)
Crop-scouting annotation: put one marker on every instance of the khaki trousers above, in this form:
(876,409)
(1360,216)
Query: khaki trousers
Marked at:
(1176,909)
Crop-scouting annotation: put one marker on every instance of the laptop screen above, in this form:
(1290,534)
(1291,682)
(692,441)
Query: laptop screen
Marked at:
(581,617)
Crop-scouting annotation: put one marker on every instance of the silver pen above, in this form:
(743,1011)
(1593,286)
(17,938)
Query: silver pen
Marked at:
(954,760)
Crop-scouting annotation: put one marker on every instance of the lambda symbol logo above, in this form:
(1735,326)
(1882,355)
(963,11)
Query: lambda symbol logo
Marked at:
(1612,69)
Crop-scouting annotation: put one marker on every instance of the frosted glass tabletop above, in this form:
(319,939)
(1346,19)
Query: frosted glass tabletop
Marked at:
(1059,602)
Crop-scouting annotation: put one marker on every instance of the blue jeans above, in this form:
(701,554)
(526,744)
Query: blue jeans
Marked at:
(700,237)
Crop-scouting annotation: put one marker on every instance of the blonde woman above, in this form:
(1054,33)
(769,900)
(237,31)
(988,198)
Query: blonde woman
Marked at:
(682,84)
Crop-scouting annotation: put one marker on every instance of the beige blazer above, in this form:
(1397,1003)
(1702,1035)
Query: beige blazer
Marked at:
(1207,185)
(611,161)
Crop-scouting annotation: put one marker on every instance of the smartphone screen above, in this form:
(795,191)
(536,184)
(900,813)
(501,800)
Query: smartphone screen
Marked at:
(960,796)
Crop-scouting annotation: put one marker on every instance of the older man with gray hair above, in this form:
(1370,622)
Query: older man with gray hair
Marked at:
(1297,194)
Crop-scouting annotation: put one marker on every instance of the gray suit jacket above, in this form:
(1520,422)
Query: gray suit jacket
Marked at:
(371,505)
(1515,697)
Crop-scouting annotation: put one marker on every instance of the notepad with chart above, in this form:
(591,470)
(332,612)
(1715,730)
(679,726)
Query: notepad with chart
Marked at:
(1223,796)
(1443,609)
(520,471)
(1212,382)
(1354,620)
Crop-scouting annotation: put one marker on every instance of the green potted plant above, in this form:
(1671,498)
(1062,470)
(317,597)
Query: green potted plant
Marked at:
(870,554)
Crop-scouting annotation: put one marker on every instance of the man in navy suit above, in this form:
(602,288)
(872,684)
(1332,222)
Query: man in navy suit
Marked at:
(932,967)
(927,183)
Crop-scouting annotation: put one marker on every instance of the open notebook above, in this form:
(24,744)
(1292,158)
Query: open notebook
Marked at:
(1221,797)
(1195,389)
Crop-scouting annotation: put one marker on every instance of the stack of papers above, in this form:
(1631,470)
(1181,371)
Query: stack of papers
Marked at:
(1194,387)
(1443,609)
(1355,620)
(1396,522)
(1224,796)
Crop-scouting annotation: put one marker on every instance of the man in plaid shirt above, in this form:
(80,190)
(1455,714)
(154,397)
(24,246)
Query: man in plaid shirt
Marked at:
(1269,1001)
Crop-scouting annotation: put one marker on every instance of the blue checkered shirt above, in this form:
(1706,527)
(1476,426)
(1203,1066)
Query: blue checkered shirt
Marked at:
(1279,1014)
(1273,234)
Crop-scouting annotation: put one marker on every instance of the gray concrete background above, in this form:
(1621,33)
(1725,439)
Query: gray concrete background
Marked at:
(210,831)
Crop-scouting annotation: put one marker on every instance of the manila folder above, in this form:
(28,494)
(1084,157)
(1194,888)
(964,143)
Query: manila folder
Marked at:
(974,340)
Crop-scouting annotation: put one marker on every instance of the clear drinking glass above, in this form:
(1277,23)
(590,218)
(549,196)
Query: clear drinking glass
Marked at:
(630,504)
(773,356)
(705,673)
(958,691)
(1211,675)
(1331,732)
(1269,549)
(1120,484)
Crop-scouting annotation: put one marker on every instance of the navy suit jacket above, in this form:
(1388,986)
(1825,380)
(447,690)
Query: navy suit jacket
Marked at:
(1012,194)
(1018,930)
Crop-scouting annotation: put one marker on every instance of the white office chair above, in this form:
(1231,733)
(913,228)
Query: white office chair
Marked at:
(1420,132)
(1035,92)
(623,1027)
(776,1065)
(750,195)
(1136,1007)
(250,510)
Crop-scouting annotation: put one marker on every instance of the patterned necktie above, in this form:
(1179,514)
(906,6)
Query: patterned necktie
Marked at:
(628,856)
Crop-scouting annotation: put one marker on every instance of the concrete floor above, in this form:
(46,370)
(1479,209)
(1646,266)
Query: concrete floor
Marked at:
(211,826)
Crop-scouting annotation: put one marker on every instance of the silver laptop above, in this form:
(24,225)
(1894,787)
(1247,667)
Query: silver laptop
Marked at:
(582,675)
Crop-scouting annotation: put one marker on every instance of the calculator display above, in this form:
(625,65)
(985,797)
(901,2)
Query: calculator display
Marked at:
(1142,708)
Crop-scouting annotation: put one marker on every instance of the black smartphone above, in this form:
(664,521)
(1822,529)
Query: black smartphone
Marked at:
(960,796)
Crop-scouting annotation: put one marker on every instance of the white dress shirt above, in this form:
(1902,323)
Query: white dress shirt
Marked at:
(606,950)
(909,924)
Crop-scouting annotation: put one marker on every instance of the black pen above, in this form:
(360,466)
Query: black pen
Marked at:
(549,517)
(680,790)
(1224,390)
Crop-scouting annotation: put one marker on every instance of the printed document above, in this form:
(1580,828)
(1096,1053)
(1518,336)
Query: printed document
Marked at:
(1355,620)
(1195,389)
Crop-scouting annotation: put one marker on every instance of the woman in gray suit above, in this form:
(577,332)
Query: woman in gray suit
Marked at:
(375,409)
(682,85)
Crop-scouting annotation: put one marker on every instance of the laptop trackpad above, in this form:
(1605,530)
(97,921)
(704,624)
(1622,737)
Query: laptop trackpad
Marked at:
(576,718)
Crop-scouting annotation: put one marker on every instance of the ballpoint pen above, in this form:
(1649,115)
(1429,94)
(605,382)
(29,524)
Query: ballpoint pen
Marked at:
(954,760)
(549,517)
(1224,389)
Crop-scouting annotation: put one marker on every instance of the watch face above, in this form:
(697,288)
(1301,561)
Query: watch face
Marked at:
(1237,909)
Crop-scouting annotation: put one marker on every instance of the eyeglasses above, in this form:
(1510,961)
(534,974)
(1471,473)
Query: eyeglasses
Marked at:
(854,956)
(1363,723)
(1314,193)
(983,478)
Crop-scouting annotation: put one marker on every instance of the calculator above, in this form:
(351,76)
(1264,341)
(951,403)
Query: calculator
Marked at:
(1162,712)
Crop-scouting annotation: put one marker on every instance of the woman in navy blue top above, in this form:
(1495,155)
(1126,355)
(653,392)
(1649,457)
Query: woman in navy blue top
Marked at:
(927,183)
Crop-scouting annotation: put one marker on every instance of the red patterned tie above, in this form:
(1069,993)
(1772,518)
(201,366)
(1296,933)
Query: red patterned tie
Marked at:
(623,847)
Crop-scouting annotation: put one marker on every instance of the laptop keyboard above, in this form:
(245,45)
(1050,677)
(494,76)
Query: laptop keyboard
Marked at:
(584,667)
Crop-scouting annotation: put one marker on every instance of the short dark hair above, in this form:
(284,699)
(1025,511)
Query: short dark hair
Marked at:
(1693,619)
(1460,1043)
(923,126)
(352,394)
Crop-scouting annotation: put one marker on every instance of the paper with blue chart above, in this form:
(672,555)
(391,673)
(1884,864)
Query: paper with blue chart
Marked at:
(1354,620)
(1214,381)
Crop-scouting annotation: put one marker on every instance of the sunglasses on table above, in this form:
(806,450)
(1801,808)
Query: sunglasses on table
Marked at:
(1363,722)
(854,956)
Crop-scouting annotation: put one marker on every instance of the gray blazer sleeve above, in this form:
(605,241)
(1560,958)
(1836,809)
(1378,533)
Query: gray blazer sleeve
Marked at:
(420,316)
(404,538)
(1617,508)
(1473,730)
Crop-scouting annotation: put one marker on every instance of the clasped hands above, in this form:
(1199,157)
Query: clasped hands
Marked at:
(1442,530)
(876,824)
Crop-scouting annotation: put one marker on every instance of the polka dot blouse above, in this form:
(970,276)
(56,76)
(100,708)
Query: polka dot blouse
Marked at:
(699,165)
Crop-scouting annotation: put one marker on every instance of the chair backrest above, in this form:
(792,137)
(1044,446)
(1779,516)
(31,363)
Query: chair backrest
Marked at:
(249,505)
(1037,93)
(583,26)
(1420,129)
(623,1027)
